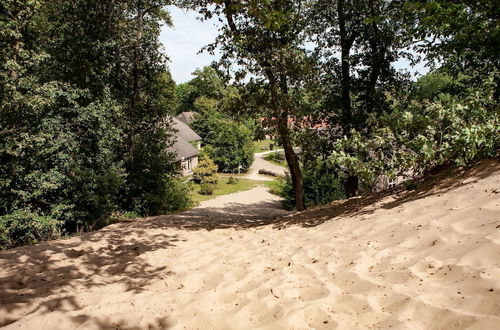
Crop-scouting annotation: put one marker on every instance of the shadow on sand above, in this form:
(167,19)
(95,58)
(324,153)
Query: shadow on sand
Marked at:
(113,255)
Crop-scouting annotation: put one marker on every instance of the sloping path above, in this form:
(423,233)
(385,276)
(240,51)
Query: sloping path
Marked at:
(260,163)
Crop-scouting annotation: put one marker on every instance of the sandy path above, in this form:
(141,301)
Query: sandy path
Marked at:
(260,163)
(428,259)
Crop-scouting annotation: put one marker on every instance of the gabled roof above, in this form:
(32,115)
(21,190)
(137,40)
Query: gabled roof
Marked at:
(184,131)
(186,117)
(183,149)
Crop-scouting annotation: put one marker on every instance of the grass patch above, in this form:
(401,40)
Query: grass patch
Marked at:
(273,186)
(223,188)
(263,145)
(277,158)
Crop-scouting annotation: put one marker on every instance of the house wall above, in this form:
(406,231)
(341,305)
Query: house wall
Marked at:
(188,165)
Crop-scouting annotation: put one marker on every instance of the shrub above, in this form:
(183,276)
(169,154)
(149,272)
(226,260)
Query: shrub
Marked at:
(25,228)
(178,195)
(421,136)
(322,185)
(207,189)
(232,180)
(206,171)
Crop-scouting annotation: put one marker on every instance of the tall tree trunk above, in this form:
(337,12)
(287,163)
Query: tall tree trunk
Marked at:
(283,130)
(345,45)
(346,42)
(378,50)
(281,115)
(292,161)
(137,60)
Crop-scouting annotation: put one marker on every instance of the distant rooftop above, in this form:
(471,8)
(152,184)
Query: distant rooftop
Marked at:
(184,136)
(184,131)
(186,117)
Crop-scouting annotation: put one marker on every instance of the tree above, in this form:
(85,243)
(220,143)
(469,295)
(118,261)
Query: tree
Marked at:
(267,40)
(59,165)
(116,46)
(84,93)
(369,36)
(185,97)
(206,171)
(228,143)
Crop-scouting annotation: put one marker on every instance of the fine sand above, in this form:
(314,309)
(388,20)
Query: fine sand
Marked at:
(425,259)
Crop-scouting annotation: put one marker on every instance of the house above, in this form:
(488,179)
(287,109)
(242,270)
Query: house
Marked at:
(187,146)
(186,117)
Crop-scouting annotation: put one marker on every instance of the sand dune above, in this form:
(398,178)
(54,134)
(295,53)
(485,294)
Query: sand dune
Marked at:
(427,259)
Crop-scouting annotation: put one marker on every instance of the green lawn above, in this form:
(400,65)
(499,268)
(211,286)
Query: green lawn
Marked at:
(273,186)
(223,188)
(262,146)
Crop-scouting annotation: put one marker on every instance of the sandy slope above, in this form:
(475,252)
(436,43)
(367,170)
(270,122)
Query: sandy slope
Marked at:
(428,259)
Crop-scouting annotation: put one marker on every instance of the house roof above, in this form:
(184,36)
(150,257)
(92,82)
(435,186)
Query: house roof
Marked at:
(184,131)
(186,117)
(183,149)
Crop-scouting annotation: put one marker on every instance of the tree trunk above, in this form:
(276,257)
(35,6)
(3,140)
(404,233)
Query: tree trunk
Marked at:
(378,50)
(137,60)
(351,186)
(281,115)
(345,45)
(284,133)
(346,42)
(292,161)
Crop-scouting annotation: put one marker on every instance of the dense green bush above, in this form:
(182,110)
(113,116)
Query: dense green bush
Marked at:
(232,180)
(206,171)
(417,137)
(322,185)
(207,189)
(231,147)
(24,227)
(63,163)
(228,143)
(82,134)
(178,195)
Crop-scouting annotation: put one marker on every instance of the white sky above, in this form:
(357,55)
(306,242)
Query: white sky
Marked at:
(184,41)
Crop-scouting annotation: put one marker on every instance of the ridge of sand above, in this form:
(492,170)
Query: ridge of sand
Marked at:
(427,259)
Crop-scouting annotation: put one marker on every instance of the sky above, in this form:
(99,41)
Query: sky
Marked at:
(184,40)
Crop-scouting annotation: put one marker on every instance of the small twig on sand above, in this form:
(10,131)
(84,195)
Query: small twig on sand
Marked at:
(275,296)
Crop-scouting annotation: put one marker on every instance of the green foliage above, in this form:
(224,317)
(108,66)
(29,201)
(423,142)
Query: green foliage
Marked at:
(230,146)
(177,196)
(462,35)
(421,136)
(206,171)
(62,163)
(25,227)
(185,97)
(228,143)
(84,93)
(207,188)
(429,86)
(322,185)
(232,180)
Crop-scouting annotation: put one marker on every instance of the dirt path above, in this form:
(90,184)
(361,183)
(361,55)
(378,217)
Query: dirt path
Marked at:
(260,163)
